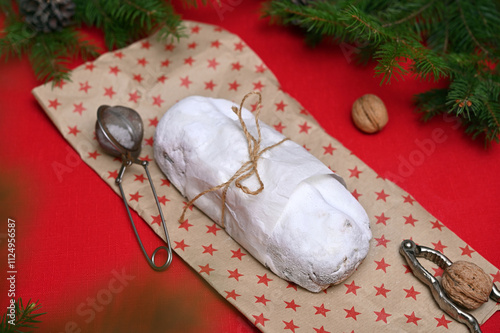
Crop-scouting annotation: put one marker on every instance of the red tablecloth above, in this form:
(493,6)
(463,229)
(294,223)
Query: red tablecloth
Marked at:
(87,280)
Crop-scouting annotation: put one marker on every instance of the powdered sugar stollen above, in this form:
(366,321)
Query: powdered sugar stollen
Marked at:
(381,296)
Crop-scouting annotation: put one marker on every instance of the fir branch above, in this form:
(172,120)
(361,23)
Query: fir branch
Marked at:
(25,317)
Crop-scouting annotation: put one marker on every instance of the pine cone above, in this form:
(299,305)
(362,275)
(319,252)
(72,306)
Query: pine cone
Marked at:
(47,15)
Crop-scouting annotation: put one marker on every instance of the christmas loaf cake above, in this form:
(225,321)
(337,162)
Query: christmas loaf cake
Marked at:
(304,225)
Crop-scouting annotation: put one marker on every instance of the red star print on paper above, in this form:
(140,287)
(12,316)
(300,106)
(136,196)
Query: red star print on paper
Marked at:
(157,100)
(137,77)
(84,86)
(180,245)
(109,92)
(354,172)
(466,251)
(118,55)
(162,78)
(280,106)
(411,293)
(261,299)
(381,195)
(442,321)
(279,127)
(153,122)
(258,86)
(355,194)
(292,285)
(135,196)
(114,70)
(382,219)
(195,29)
(236,66)
(320,330)
(165,182)
(146,158)
(212,63)
(437,225)
(439,247)
(185,82)
(163,200)
(212,229)
(142,61)
(113,174)
(407,269)
(260,68)
(410,220)
(79,108)
(145,45)
(496,277)
(54,103)
(408,199)
(189,61)
(231,294)
(381,265)
(292,305)
(205,269)
(260,319)
(352,287)
(209,249)
(156,219)
(133,97)
(328,149)
(139,178)
(438,271)
(210,85)
(89,67)
(169,47)
(73,130)
(60,84)
(352,313)
(238,254)
(412,318)
(381,290)
(264,279)
(185,204)
(186,225)
(382,315)
(192,45)
(94,155)
(382,241)
(234,274)
(304,128)
(239,46)
(234,85)
(165,63)
(215,44)
(149,142)
(321,310)
(290,326)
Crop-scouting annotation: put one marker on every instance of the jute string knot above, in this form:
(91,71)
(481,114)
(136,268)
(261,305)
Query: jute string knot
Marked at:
(248,169)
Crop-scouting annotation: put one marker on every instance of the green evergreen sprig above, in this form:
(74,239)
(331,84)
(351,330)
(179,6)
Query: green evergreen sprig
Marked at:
(25,317)
(453,39)
(122,22)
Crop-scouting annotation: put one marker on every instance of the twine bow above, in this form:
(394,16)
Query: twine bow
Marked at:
(248,169)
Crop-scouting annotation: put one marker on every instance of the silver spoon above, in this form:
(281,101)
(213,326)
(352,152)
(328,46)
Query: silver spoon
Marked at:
(119,131)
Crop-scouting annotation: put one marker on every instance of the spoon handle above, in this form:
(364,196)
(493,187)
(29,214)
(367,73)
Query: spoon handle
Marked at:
(168,248)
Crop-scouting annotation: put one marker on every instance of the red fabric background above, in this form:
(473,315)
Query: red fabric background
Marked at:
(73,238)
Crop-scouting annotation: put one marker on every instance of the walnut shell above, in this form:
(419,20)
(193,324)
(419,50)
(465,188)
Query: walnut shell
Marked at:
(467,284)
(369,113)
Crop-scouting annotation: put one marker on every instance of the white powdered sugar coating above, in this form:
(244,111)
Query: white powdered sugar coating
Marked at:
(305,225)
(122,135)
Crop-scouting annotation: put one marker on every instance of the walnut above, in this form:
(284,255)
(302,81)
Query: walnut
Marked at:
(369,113)
(467,284)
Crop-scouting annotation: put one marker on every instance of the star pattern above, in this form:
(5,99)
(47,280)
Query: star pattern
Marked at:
(214,259)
